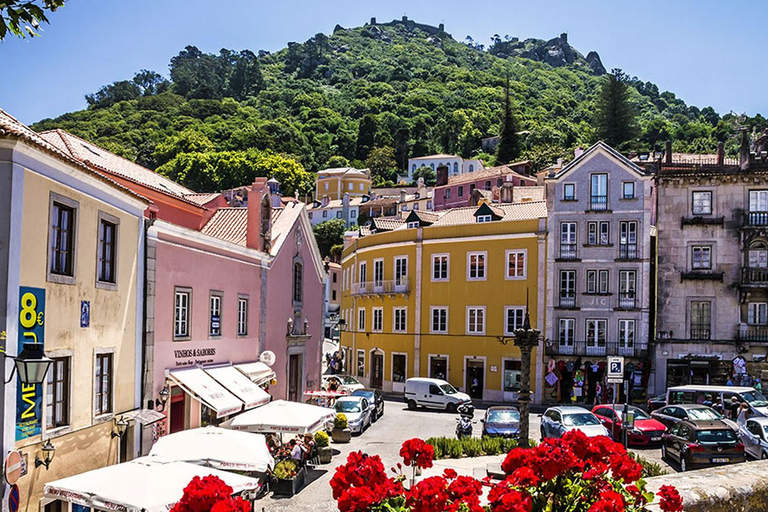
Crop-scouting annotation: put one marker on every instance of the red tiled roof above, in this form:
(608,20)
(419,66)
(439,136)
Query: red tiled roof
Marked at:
(229,224)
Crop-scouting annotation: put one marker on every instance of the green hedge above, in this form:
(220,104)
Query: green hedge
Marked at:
(452,448)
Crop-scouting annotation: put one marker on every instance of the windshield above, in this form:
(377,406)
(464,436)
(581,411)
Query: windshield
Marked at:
(346,379)
(754,398)
(580,420)
(639,413)
(347,406)
(509,416)
(448,389)
(715,436)
(704,414)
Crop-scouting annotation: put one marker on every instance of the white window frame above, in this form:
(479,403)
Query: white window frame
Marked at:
(515,276)
(473,329)
(396,313)
(518,311)
(478,277)
(377,319)
(435,258)
(177,309)
(433,310)
(360,319)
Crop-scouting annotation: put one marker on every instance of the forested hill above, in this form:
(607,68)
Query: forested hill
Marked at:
(401,85)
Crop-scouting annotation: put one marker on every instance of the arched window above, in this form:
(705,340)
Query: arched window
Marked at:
(758,255)
(297,282)
(455,168)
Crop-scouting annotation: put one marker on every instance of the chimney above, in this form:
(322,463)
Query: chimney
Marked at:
(578,152)
(744,151)
(720,153)
(668,153)
(506,194)
(442,176)
(259,216)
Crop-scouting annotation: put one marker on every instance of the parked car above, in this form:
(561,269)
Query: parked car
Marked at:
(656,402)
(721,397)
(342,383)
(646,430)
(558,420)
(501,421)
(435,393)
(375,401)
(754,436)
(702,443)
(357,411)
(672,414)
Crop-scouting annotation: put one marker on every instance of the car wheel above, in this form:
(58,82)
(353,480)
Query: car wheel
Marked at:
(451,408)
(411,405)
(683,463)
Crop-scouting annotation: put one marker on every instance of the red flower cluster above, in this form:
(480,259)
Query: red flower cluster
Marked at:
(361,483)
(209,494)
(670,499)
(415,452)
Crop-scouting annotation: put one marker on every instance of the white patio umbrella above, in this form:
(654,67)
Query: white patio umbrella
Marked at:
(283,417)
(215,447)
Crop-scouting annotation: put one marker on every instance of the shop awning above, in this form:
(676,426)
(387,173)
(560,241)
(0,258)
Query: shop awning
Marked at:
(200,385)
(138,485)
(258,372)
(240,386)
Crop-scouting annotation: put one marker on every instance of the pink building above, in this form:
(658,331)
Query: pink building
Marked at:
(455,191)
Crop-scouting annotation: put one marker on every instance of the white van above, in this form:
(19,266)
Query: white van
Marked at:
(434,393)
(720,395)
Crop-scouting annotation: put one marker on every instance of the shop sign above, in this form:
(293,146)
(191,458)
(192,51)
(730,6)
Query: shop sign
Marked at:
(29,397)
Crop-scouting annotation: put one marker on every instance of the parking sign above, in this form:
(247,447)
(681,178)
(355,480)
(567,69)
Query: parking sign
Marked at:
(615,370)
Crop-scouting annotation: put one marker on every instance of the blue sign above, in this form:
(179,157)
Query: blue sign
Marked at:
(14,499)
(29,397)
(85,313)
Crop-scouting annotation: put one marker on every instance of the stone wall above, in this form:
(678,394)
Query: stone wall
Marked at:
(737,488)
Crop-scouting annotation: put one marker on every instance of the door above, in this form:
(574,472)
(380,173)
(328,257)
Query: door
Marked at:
(438,368)
(475,378)
(178,410)
(377,370)
(294,377)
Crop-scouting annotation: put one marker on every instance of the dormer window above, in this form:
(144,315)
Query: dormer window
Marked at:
(414,224)
(484,218)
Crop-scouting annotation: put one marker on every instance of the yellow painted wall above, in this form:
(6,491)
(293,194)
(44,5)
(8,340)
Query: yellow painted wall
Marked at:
(87,443)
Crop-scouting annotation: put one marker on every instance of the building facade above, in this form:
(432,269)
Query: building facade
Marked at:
(437,295)
(335,182)
(599,298)
(456,165)
(454,191)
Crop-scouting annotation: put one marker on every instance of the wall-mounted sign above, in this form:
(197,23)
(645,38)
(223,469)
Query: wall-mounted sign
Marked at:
(85,313)
(29,397)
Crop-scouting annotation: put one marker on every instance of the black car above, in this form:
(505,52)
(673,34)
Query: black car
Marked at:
(501,421)
(673,414)
(702,443)
(374,398)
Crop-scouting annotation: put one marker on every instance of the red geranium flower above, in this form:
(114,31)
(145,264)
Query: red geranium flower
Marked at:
(670,499)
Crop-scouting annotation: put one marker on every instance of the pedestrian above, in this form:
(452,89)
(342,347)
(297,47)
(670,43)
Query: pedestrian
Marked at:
(733,407)
(743,414)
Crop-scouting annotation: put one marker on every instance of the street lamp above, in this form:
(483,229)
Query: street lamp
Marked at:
(48,452)
(31,365)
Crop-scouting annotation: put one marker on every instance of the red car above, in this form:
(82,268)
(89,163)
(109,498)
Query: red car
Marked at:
(646,430)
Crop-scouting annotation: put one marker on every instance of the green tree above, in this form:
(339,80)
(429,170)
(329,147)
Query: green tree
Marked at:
(508,149)
(328,234)
(23,18)
(381,162)
(615,119)
(430,176)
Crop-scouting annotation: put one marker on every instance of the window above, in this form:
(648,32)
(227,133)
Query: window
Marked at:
(102,400)
(439,319)
(628,190)
(475,320)
(598,233)
(215,329)
(568,240)
(512,375)
(361,363)
(516,264)
(484,218)
(378,319)
(401,270)
(701,257)
(181,314)
(569,192)
(398,367)
(413,224)
(107,251)
(400,319)
(565,333)
(514,317)
(702,203)
(461,191)
(62,253)
(596,333)
(627,333)
(298,279)
(361,320)
(378,273)
(57,394)
(757,313)
(701,319)
(628,240)
(440,267)
(627,288)
(567,288)
(447,193)
(242,314)
(476,266)
(599,192)
(597,281)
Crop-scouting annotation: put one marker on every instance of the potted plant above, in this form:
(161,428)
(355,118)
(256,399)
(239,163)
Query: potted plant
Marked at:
(341,432)
(289,478)
(323,445)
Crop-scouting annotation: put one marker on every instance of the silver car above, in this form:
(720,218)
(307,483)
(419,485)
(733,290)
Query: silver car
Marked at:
(556,421)
(357,411)
(754,436)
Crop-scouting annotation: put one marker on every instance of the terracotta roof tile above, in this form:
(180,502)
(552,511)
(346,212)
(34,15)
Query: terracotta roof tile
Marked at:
(229,224)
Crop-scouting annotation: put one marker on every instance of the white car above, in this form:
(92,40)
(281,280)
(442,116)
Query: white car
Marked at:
(556,421)
(357,411)
(754,436)
(344,383)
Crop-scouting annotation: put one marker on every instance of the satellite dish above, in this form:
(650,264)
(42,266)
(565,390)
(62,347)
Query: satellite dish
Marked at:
(267,357)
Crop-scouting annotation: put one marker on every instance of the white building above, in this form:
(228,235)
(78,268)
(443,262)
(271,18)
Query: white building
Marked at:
(456,165)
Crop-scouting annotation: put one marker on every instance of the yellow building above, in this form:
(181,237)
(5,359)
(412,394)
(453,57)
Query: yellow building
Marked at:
(335,182)
(437,294)
(74,282)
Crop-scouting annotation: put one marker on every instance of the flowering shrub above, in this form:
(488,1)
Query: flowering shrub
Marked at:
(575,473)
(210,494)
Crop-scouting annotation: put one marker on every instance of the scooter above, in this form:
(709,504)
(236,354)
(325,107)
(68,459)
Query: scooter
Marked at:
(464,422)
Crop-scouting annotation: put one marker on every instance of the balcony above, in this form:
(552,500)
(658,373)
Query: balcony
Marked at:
(756,219)
(568,252)
(627,300)
(598,203)
(628,252)
(392,287)
(754,276)
(753,333)
(594,349)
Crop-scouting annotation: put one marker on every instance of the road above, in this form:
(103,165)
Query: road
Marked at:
(385,438)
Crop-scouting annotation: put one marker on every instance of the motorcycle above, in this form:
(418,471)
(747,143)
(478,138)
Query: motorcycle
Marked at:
(464,422)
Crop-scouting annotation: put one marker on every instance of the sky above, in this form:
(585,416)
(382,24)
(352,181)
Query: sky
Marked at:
(707,52)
